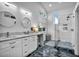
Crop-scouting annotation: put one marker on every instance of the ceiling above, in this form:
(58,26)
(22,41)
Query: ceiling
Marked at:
(58,6)
(26,5)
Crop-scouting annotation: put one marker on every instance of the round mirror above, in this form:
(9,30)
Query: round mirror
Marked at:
(7,19)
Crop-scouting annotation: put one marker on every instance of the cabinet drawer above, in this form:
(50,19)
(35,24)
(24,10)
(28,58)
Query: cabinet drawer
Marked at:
(15,42)
(26,40)
(33,38)
(25,44)
(4,45)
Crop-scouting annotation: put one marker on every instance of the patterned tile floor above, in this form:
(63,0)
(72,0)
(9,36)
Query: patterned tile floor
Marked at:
(50,51)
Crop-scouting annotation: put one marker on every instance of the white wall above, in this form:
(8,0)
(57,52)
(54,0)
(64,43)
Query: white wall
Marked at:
(64,36)
(35,8)
(76,41)
(15,11)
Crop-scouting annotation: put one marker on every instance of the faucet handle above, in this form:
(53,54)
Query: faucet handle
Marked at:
(7,34)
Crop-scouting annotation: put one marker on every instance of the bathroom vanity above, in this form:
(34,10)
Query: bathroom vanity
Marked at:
(20,45)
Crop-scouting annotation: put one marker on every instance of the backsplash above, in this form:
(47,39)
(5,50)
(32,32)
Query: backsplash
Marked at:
(7,34)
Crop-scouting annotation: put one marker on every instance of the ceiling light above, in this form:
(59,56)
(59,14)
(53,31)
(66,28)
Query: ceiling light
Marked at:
(50,5)
(59,2)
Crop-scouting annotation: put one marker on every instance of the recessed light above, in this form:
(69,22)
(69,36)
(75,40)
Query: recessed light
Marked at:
(50,5)
(59,2)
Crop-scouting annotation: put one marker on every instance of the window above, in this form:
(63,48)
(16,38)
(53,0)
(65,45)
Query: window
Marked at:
(56,20)
(56,16)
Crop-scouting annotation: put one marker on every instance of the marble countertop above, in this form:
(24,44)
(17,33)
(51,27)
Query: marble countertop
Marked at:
(20,36)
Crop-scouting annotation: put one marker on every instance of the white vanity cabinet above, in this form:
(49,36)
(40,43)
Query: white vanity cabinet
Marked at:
(18,47)
(29,45)
(11,48)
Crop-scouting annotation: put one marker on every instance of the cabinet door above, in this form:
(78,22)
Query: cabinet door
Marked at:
(16,51)
(5,52)
(32,43)
(16,48)
(29,45)
(12,48)
(4,49)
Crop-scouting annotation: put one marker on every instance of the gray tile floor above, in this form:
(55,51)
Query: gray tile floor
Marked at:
(49,51)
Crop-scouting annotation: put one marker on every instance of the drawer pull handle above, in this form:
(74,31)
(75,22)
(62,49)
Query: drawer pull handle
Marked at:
(25,45)
(13,47)
(25,51)
(25,39)
(12,42)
